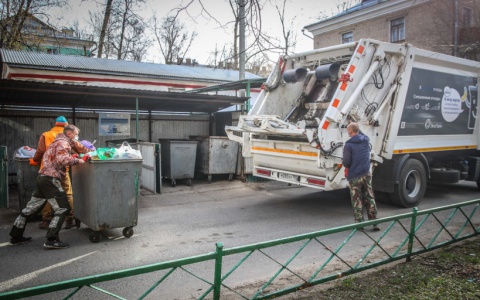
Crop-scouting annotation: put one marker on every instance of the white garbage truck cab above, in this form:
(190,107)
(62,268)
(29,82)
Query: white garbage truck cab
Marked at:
(418,108)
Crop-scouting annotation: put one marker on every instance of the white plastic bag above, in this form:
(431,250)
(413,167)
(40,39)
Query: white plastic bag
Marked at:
(125,151)
(25,152)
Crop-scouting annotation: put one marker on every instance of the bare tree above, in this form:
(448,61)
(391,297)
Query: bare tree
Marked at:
(260,43)
(173,39)
(129,40)
(14,32)
(289,37)
(124,36)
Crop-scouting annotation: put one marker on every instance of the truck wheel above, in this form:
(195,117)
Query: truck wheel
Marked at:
(412,185)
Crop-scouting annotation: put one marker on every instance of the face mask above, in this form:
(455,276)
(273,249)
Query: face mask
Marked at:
(75,138)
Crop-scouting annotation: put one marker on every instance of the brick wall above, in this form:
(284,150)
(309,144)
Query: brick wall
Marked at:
(427,25)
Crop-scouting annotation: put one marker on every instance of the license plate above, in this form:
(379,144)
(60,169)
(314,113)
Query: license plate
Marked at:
(288,177)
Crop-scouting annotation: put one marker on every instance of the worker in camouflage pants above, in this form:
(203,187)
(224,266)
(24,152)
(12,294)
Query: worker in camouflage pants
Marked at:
(356,159)
(361,193)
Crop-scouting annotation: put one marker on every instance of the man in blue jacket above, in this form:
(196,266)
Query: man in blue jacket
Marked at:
(356,158)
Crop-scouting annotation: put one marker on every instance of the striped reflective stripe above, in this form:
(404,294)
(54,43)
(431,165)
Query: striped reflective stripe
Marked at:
(360,49)
(325,125)
(335,102)
(304,153)
(434,149)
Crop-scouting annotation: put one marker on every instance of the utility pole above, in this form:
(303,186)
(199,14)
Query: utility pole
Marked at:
(241,4)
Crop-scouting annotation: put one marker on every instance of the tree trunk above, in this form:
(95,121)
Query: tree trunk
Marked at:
(122,32)
(101,41)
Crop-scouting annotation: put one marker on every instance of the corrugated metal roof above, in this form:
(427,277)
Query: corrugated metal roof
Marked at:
(28,59)
(26,93)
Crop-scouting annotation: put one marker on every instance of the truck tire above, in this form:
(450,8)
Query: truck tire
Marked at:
(411,185)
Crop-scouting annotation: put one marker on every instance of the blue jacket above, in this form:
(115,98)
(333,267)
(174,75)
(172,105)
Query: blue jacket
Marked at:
(356,156)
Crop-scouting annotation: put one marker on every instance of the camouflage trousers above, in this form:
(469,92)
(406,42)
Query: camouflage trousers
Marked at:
(361,194)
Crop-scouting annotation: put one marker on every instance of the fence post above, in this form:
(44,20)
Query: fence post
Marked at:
(411,235)
(217,280)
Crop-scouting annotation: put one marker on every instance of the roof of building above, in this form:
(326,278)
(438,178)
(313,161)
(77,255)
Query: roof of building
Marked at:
(362,5)
(19,93)
(69,63)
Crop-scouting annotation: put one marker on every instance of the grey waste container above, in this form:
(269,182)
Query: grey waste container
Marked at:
(106,195)
(4,203)
(216,155)
(26,180)
(178,160)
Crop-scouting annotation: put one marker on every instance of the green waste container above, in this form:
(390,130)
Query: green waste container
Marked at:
(26,180)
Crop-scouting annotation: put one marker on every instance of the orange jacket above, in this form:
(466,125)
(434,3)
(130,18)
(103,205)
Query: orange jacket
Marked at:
(45,140)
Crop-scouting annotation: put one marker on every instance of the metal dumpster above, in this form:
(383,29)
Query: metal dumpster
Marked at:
(216,155)
(106,195)
(26,179)
(178,160)
(4,202)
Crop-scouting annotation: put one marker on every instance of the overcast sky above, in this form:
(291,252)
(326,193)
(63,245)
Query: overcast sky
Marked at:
(209,33)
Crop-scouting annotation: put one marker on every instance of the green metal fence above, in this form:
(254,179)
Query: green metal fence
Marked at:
(311,259)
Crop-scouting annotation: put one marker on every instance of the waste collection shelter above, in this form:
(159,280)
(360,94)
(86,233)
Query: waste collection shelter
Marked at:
(35,88)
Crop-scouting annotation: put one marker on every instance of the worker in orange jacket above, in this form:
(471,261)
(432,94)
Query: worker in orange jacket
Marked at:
(45,140)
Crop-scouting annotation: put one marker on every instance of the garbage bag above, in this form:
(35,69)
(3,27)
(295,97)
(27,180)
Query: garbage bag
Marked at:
(88,145)
(125,151)
(106,153)
(25,152)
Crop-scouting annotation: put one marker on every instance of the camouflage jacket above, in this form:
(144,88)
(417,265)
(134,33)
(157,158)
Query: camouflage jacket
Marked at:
(57,157)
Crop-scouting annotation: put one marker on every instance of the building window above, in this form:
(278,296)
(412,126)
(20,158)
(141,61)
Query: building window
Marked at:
(467,17)
(397,30)
(347,37)
(52,51)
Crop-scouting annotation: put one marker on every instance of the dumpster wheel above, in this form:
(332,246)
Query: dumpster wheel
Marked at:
(127,232)
(94,237)
(77,223)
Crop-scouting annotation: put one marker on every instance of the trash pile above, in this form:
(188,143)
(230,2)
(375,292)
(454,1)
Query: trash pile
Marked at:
(125,151)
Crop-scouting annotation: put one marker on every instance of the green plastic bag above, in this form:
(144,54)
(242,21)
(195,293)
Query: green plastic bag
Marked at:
(106,153)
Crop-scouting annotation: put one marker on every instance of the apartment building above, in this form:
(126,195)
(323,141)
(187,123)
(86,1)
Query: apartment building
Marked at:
(446,26)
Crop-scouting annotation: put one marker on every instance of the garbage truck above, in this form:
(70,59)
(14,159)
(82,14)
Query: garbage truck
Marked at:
(417,107)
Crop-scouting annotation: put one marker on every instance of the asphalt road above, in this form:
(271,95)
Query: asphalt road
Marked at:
(186,221)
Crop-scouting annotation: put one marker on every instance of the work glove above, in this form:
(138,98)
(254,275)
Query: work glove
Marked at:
(32,162)
(86,157)
(75,155)
(346,172)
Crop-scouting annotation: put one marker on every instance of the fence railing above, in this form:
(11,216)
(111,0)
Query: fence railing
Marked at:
(280,266)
